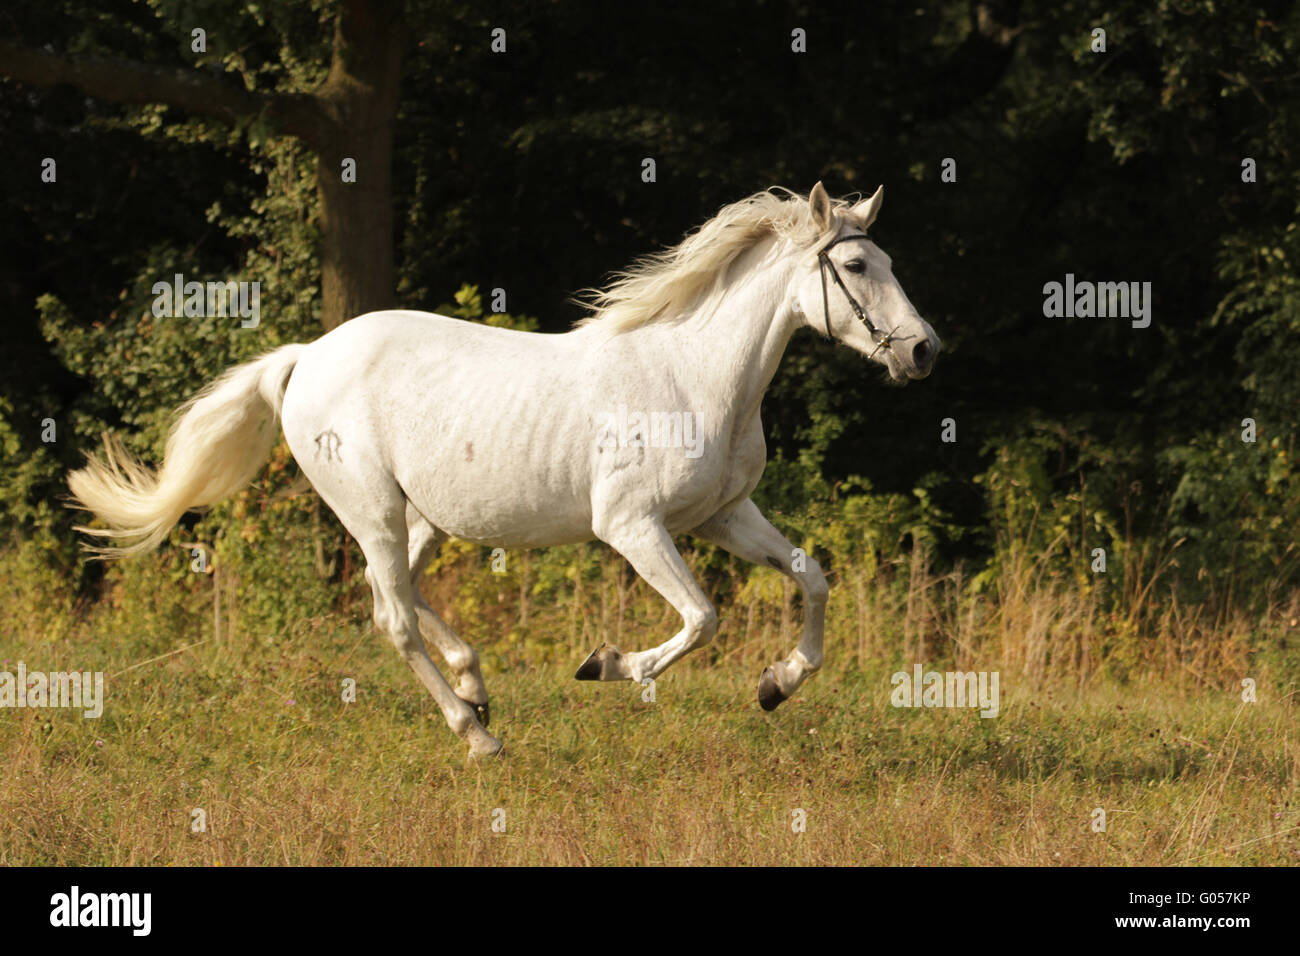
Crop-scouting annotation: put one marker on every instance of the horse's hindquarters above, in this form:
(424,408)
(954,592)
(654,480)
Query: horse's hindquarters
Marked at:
(480,430)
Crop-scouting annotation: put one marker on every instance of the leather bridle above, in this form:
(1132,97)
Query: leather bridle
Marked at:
(823,263)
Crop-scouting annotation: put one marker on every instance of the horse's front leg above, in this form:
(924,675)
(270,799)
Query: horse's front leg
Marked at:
(649,548)
(744,532)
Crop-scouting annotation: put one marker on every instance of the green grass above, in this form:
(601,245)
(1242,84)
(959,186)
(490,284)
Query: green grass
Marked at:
(256,734)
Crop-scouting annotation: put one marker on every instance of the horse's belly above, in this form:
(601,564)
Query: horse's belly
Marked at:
(502,502)
(511,530)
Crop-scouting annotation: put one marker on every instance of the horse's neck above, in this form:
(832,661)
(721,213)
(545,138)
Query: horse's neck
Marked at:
(742,341)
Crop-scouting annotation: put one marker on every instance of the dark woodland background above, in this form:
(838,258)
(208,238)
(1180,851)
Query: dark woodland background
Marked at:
(522,170)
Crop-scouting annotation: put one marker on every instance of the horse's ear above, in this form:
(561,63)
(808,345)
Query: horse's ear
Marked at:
(867,210)
(820,203)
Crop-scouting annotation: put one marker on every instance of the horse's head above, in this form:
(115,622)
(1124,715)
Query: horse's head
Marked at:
(849,292)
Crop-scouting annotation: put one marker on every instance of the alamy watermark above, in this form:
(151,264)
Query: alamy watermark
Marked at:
(946,689)
(130,910)
(214,300)
(1085,300)
(644,429)
(53,689)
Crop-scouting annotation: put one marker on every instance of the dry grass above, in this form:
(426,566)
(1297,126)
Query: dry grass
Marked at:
(257,736)
(1136,711)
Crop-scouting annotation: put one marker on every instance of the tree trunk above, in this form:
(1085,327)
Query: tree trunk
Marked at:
(356,227)
(360,100)
(351,116)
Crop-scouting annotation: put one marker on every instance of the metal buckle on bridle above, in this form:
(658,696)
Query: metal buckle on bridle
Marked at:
(823,263)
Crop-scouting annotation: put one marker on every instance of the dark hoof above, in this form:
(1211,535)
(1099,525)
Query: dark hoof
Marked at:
(597,665)
(482,711)
(769,693)
(590,669)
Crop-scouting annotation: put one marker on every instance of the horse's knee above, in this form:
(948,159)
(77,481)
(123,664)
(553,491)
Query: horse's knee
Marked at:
(703,624)
(463,659)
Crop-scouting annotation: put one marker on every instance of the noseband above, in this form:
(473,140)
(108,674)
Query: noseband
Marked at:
(823,263)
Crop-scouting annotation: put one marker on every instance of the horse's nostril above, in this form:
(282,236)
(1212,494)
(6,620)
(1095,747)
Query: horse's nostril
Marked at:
(922,355)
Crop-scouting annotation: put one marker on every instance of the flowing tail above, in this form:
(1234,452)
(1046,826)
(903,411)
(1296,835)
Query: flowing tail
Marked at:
(220,440)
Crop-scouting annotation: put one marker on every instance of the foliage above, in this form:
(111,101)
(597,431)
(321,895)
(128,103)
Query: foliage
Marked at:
(1073,435)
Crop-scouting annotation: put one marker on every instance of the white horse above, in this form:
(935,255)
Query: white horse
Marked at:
(414,426)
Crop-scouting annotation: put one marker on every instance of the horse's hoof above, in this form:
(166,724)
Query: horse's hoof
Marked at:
(482,711)
(769,692)
(600,665)
(485,746)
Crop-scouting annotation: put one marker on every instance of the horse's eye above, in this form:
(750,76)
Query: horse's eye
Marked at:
(856,265)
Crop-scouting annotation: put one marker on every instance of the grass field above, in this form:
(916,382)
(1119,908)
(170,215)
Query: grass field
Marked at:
(257,736)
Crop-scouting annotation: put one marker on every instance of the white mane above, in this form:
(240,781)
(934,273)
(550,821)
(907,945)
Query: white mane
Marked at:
(663,286)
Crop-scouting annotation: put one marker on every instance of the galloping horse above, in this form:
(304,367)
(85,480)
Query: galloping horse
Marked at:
(413,427)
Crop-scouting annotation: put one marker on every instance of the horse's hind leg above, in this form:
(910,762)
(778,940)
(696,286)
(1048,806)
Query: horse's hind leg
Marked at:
(374,511)
(423,542)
